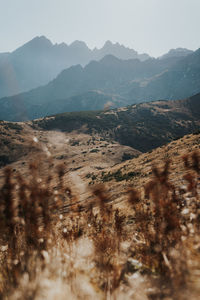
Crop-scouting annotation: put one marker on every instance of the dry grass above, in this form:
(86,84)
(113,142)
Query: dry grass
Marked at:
(55,247)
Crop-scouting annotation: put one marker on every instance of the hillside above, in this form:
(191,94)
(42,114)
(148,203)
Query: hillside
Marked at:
(140,128)
(138,234)
(137,172)
(91,158)
(113,77)
(19,143)
(181,80)
(15,142)
(85,216)
(143,126)
(17,109)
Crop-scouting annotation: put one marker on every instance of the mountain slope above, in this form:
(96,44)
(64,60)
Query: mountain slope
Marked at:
(100,135)
(110,75)
(143,126)
(178,52)
(78,150)
(181,80)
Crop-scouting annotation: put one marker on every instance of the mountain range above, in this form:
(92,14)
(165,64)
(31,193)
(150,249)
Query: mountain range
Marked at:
(39,61)
(110,80)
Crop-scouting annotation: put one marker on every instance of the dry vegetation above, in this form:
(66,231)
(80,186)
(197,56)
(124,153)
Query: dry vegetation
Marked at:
(145,246)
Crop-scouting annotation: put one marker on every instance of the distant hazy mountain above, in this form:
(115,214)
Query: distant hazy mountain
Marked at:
(119,51)
(3,55)
(113,78)
(178,52)
(39,61)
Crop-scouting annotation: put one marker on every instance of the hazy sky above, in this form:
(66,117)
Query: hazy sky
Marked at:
(152,26)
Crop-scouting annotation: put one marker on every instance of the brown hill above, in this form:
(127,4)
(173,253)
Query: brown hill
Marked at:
(138,171)
(91,159)
(143,126)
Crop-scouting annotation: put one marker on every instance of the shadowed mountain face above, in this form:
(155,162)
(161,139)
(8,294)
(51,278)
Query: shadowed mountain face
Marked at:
(121,82)
(39,61)
(142,126)
(181,80)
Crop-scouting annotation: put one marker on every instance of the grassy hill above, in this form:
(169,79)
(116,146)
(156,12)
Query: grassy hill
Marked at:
(139,128)
(143,126)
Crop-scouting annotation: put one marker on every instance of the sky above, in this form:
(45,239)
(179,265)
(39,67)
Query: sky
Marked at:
(148,26)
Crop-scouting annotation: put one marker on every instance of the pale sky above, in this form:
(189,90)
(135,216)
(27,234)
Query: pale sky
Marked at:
(151,26)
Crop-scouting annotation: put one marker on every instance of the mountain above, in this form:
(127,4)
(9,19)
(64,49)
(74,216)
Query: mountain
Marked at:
(120,51)
(178,52)
(36,63)
(110,77)
(39,61)
(180,80)
(122,82)
(142,126)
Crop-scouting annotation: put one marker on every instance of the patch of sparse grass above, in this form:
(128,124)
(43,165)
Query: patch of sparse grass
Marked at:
(94,150)
(118,176)
(14,126)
